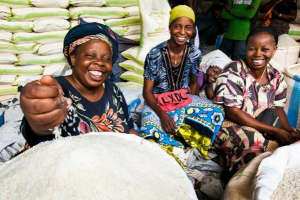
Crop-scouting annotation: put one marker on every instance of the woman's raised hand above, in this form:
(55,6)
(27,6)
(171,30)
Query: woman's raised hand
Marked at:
(43,104)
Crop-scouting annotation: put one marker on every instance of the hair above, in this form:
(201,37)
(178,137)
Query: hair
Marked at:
(266,30)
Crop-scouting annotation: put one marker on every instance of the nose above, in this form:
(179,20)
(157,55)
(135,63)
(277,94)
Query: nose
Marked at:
(98,61)
(182,31)
(257,52)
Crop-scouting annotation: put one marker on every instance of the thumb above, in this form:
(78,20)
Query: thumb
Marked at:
(49,81)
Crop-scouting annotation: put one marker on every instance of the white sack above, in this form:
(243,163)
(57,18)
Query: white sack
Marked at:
(21,70)
(75,22)
(8,89)
(30,47)
(133,11)
(29,14)
(4,12)
(136,37)
(7,79)
(43,38)
(58,69)
(123,3)
(51,48)
(95,3)
(5,36)
(15,3)
(16,26)
(133,30)
(33,59)
(8,58)
(123,22)
(48,25)
(133,54)
(155,16)
(98,12)
(50,4)
(24,79)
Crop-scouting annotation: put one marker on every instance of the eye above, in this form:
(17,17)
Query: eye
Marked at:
(251,49)
(90,56)
(265,49)
(188,28)
(107,58)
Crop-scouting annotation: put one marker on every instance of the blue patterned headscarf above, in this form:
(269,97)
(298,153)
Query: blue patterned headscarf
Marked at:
(88,31)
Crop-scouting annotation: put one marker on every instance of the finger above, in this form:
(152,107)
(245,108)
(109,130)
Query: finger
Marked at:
(47,120)
(40,106)
(46,87)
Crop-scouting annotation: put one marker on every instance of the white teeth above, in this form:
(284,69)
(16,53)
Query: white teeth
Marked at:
(181,38)
(97,73)
(258,62)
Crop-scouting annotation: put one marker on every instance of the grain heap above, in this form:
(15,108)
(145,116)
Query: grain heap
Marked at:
(95,166)
(289,186)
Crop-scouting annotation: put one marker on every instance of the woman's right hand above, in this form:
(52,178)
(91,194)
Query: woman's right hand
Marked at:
(43,105)
(168,123)
(283,137)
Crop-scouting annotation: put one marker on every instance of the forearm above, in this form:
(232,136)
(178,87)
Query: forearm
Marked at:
(193,85)
(287,17)
(209,91)
(244,119)
(152,103)
(283,119)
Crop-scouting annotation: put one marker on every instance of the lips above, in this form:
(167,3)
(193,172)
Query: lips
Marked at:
(257,62)
(181,39)
(96,73)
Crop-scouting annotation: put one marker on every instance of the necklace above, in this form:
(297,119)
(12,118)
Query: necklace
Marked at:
(261,75)
(177,56)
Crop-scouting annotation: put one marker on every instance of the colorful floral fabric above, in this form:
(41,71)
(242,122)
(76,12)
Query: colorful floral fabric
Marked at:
(201,114)
(109,114)
(237,88)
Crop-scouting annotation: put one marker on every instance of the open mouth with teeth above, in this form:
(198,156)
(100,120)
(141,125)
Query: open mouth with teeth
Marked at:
(96,73)
(258,62)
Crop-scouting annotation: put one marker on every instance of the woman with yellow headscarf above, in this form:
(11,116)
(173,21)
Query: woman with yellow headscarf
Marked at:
(173,114)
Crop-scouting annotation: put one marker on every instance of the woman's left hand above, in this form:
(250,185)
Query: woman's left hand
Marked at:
(296,134)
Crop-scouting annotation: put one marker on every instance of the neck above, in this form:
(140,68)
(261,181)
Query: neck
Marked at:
(175,48)
(91,94)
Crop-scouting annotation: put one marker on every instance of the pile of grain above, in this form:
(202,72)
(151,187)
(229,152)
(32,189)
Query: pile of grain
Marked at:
(289,186)
(95,166)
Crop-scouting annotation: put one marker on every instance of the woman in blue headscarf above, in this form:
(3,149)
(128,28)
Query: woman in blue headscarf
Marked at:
(85,101)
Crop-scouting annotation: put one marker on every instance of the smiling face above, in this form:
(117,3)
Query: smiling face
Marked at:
(260,49)
(213,73)
(92,63)
(181,29)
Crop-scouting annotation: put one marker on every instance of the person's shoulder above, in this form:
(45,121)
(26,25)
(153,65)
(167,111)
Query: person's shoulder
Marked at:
(274,71)
(158,47)
(234,66)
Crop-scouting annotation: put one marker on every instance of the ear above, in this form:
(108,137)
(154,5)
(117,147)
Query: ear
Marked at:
(275,49)
(72,59)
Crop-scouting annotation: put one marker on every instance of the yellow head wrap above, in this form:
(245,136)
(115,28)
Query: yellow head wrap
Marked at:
(181,11)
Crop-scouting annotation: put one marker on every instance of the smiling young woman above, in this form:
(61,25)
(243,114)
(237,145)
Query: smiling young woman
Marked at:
(247,89)
(170,86)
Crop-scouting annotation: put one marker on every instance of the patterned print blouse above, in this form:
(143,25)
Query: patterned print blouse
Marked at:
(236,87)
(109,114)
(156,71)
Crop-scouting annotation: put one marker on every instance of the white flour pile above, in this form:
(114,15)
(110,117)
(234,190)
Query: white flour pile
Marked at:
(289,187)
(95,166)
